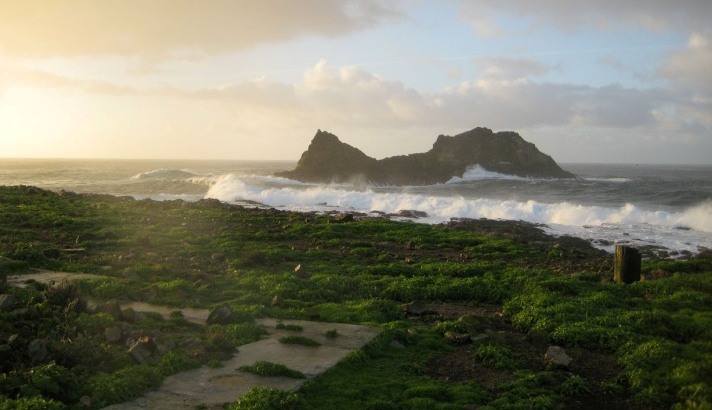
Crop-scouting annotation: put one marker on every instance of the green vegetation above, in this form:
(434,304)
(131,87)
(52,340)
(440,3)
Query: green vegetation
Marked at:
(298,340)
(467,309)
(290,327)
(262,398)
(269,369)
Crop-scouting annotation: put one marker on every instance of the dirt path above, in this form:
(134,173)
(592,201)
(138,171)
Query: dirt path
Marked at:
(210,388)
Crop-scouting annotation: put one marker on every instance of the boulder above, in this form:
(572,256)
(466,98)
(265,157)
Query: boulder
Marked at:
(557,356)
(411,213)
(143,349)
(222,315)
(111,307)
(329,160)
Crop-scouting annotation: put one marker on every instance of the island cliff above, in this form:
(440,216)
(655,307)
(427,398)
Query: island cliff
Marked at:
(329,160)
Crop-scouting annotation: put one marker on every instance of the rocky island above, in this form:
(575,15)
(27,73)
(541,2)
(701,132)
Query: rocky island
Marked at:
(329,160)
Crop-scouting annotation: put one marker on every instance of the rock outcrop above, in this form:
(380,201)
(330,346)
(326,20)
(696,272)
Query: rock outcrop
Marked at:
(329,160)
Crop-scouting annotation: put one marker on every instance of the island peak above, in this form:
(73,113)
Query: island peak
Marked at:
(329,160)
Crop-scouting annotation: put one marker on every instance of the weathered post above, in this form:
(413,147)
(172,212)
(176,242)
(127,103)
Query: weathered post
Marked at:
(626,265)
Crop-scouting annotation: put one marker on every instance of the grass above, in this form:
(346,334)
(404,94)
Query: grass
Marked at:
(290,327)
(654,337)
(269,369)
(299,340)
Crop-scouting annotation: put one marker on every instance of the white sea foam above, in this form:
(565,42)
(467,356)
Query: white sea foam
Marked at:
(614,180)
(476,172)
(627,223)
(164,173)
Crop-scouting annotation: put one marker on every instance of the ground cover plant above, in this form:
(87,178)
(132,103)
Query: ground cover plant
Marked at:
(269,369)
(468,308)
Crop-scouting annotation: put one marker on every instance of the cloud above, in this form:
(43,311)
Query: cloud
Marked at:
(692,67)
(160,28)
(568,15)
(390,118)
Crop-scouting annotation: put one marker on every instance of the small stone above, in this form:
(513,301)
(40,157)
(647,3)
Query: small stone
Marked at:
(480,339)
(471,320)
(456,338)
(300,272)
(343,217)
(85,401)
(557,356)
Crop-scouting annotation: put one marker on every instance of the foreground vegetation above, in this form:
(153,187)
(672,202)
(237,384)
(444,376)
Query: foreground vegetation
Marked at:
(468,308)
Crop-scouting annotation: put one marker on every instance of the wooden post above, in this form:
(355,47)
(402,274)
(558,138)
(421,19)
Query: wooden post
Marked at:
(626,265)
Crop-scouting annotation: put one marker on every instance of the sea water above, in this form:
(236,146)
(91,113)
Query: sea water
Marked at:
(659,206)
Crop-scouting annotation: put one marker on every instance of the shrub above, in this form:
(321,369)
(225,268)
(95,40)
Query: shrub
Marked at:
(174,362)
(290,327)
(32,403)
(263,398)
(495,356)
(123,384)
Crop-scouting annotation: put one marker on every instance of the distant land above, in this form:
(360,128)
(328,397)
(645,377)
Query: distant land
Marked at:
(329,160)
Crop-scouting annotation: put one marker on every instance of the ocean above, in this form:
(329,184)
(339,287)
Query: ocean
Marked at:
(661,207)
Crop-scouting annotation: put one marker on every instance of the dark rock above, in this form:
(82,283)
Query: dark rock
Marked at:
(85,402)
(217,257)
(143,349)
(327,160)
(222,315)
(343,217)
(409,213)
(37,350)
(456,338)
(113,334)
(418,309)
(482,338)
(7,301)
(557,356)
(111,307)
(129,315)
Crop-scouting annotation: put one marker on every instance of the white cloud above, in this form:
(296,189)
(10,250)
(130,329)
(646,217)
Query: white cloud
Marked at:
(159,28)
(597,14)
(388,118)
(692,67)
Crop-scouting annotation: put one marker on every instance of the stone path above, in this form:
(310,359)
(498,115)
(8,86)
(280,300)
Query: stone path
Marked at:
(214,387)
(48,276)
(209,387)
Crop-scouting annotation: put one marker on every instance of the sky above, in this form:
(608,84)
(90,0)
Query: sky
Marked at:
(586,81)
